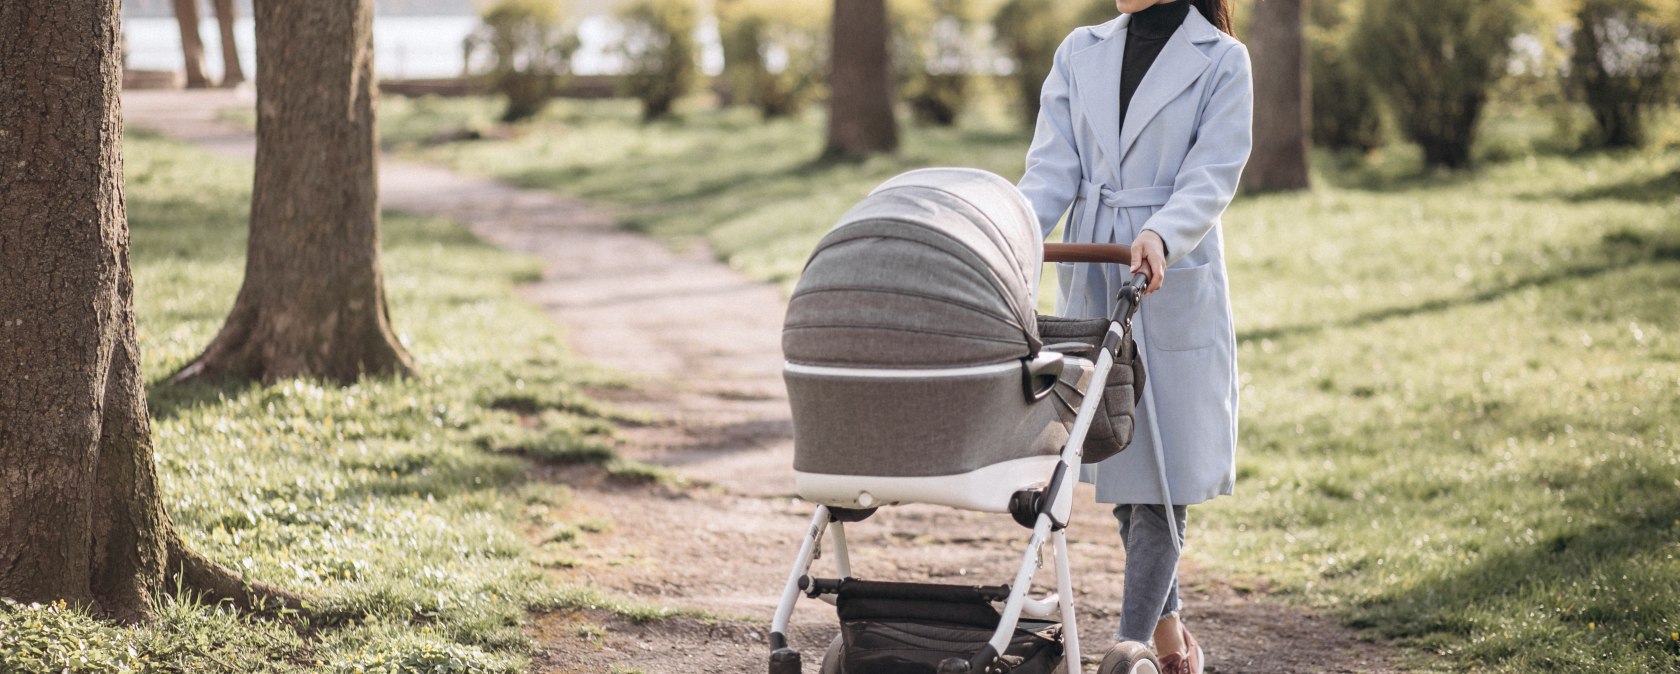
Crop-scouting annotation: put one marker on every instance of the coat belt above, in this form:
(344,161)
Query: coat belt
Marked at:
(1098,193)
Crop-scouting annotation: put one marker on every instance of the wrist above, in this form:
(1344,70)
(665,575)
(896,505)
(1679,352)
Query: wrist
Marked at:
(1159,240)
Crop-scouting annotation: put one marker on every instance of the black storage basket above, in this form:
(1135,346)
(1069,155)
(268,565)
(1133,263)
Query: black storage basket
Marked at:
(1111,431)
(911,636)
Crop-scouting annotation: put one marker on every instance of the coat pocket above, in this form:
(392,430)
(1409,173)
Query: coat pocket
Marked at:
(1181,316)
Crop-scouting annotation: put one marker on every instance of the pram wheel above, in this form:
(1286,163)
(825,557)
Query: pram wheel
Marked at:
(1129,657)
(831,662)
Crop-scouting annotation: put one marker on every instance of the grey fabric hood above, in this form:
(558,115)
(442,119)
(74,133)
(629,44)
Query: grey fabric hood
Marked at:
(935,268)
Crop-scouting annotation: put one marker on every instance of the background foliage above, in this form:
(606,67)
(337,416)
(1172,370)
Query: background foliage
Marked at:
(774,53)
(529,50)
(658,47)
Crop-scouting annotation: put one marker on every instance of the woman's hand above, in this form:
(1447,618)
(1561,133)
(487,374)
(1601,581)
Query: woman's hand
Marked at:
(1149,254)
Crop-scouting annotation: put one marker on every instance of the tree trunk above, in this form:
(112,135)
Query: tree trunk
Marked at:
(860,82)
(80,515)
(226,15)
(1282,98)
(192,46)
(313,302)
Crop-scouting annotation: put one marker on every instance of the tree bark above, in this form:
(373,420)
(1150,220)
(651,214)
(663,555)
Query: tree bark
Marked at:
(80,515)
(232,73)
(192,46)
(1282,98)
(860,81)
(313,300)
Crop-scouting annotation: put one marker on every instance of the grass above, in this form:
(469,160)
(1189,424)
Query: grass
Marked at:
(379,500)
(1459,389)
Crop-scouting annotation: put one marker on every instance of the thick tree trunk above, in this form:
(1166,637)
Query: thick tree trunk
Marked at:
(860,81)
(80,515)
(313,302)
(192,46)
(1282,98)
(226,15)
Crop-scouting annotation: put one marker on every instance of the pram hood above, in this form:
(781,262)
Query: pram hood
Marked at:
(935,268)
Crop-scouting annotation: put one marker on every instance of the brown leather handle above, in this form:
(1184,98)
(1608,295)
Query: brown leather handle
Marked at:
(1115,253)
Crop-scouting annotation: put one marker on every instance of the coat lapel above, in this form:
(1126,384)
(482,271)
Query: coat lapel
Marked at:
(1178,66)
(1096,73)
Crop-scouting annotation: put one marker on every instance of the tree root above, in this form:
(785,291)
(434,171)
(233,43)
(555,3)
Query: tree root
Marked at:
(194,572)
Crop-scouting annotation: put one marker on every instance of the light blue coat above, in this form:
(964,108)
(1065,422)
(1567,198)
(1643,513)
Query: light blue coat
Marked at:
(1186,138)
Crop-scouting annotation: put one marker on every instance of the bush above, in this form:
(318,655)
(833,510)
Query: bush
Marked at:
(1345,113)
(1435,63)
(1029,32)
(529,50)
(932,52)
(774,53)
(658,49)
(1623,62)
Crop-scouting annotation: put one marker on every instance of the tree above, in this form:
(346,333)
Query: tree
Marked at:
(1435,62)
(860,81)
(1345,112)
(658,45)
(313,300)
(192,46)
(1030,30)
(232,73)
(932,54)
(752,33)
(530,53)
(1282,102)
(80,515)
(1623,63)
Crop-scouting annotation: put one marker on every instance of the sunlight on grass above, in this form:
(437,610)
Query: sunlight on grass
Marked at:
(373,499)
(1459,389)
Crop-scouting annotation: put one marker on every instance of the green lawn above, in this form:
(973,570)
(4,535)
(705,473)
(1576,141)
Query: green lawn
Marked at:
(398,504)
(1459,390)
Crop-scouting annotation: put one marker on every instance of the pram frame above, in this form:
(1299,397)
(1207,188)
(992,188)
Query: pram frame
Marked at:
(1050,522)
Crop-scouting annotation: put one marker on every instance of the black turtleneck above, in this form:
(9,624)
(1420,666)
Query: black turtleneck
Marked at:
(1146,34)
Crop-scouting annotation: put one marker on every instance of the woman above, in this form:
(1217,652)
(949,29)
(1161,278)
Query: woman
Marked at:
(1144,128)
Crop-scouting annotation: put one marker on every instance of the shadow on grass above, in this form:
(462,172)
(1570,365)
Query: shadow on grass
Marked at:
(167,401)
(1647,190)
(1625,516)
(1619,251)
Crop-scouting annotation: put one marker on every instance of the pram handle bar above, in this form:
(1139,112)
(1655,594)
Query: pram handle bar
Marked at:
(1113,253)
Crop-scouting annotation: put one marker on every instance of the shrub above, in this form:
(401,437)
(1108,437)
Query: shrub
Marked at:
(1435,63)
(932,52)
(529,51)
(1029,32)
(774,53)
(1345,112)
(1623,62)
(658,49)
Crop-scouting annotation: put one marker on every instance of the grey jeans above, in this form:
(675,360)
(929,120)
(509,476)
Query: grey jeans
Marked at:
(1151,591)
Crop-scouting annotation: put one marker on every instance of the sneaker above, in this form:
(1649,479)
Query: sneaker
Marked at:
(1188,662)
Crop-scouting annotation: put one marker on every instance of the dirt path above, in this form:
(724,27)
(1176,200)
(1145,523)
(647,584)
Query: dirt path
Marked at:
(704,344)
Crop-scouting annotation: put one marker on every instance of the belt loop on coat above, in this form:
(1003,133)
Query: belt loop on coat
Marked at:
(1098,193)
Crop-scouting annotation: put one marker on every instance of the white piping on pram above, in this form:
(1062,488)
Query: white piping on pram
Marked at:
(883,373)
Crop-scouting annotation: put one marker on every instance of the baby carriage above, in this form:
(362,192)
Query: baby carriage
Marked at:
(917,371)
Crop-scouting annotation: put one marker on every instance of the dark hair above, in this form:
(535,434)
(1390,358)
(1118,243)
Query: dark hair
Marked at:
(1217,12)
